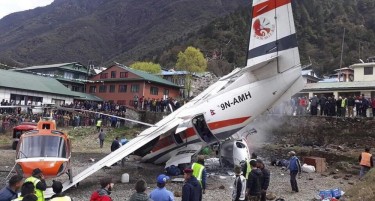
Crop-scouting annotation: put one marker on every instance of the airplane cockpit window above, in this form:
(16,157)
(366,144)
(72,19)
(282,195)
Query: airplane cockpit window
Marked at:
(42,146)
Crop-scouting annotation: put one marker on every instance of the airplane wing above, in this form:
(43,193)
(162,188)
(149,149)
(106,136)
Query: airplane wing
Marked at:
(183,155)
(104,114)
(125,150)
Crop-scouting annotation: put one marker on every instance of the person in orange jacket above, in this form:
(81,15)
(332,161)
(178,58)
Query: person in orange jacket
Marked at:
(366,161)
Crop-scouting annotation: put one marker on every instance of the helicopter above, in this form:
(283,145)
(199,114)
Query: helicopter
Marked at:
(44,147)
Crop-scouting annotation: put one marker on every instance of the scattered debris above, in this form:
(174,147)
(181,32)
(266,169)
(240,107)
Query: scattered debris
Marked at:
(92,160)
(178,180)
(270,196)
(177,193)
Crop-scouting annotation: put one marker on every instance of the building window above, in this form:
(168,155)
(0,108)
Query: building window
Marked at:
(154,91)
(123,74)
(68,75)
(75,88)
(92,89)
(368,70)
(122,88)
(166,92)
(135,88)
(102,88)
(113,74)
(104,76)
(112,88)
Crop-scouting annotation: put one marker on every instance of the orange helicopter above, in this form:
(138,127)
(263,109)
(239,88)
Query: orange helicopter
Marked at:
(45,148)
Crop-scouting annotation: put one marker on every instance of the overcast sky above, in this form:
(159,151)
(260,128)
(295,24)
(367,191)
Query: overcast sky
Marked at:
(11,6)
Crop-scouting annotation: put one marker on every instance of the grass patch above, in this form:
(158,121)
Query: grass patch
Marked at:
(364,189)
(85,139)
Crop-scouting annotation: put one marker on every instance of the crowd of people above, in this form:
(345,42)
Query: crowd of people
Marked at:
(14,115)
(342,106)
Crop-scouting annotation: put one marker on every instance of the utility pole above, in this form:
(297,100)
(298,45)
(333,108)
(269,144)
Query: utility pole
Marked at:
(342,50)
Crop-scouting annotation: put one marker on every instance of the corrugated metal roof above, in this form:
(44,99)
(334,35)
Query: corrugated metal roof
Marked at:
(46,66)
(320,86)
(24,81)
(164,72)
(149,77)
(362,65)
(85,96)
(61,65)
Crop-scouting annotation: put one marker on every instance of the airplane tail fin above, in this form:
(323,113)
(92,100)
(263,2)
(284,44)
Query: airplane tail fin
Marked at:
(273,34)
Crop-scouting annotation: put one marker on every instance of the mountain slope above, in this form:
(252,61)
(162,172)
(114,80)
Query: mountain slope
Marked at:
(102,30)
(320,25)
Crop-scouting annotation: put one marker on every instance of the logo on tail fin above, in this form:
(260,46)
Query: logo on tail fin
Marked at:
(263,28)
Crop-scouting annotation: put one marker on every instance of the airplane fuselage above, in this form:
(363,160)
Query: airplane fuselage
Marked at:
(224,112)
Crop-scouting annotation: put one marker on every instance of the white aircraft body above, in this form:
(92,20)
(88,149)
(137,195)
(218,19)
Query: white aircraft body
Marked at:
(272,75)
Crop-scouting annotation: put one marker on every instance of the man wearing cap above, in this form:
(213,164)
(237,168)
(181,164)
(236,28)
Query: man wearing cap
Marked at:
(239,187)
(103,193)
(294,168)
(199,172)
(161,193)
(26,189)
(9,192)
(37,178)
(57,189)
(192,190)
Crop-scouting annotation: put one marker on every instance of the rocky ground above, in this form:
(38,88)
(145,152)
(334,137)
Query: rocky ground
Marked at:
(219,186)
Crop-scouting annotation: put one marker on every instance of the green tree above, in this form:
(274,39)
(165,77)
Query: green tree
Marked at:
(147,66)
(192,61)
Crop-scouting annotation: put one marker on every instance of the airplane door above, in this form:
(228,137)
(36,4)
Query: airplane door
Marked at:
(201,127)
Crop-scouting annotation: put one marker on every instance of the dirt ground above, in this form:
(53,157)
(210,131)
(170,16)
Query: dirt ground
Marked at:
(219,188)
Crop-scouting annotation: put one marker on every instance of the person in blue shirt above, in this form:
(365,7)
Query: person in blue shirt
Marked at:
(161,193)
(10,191)
(294,168)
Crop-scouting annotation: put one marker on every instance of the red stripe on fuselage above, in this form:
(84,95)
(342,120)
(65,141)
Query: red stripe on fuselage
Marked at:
(190,132)
(225,123)
(268,6)
(168,140)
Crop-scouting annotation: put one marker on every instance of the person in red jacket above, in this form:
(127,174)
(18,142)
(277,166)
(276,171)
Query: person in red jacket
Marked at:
(103,194)
(373,106)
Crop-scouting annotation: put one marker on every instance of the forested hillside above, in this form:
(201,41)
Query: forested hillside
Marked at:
(320,26)
(102,31)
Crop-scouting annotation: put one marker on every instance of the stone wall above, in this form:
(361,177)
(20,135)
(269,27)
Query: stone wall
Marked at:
(318,130)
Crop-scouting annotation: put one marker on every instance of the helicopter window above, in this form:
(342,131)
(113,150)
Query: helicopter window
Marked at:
(46,126)
(240,145)
(42,146)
